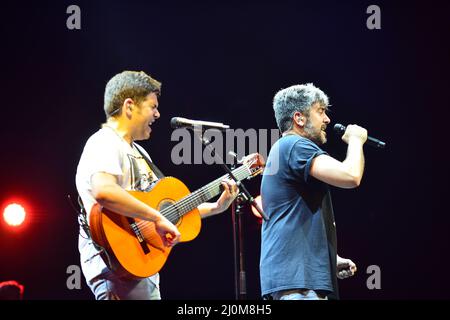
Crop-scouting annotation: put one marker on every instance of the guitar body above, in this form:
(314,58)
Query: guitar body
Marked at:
(133,248)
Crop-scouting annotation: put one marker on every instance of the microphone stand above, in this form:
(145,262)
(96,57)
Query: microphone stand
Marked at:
(236,216)
(240,283)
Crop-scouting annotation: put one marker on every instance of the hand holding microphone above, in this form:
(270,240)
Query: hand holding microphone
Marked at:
(355,131)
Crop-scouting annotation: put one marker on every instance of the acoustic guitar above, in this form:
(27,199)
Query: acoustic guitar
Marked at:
(132,247)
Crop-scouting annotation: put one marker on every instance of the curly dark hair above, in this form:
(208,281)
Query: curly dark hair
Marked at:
(128,84)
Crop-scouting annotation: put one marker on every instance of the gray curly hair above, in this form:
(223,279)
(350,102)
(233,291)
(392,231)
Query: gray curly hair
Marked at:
(128,84)
(297,98)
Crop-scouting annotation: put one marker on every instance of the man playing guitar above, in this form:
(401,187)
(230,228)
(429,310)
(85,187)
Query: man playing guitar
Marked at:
(111,168)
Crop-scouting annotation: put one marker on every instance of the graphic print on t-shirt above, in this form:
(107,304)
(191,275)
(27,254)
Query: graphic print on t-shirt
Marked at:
(142,177)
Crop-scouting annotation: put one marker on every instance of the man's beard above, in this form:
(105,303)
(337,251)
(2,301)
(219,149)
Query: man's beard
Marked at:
(313,134)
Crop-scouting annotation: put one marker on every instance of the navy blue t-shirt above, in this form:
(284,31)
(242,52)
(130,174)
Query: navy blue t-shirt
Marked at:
(298,247)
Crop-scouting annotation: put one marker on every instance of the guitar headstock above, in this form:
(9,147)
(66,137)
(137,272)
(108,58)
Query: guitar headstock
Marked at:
(255,171)
(255,162)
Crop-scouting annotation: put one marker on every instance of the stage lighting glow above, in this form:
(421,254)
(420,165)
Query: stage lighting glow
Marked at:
(259,202)
(14,214)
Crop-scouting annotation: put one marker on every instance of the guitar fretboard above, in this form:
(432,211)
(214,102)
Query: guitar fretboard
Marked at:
(193,200)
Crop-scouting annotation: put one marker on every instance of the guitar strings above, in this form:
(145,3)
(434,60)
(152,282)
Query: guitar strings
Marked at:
(185,203)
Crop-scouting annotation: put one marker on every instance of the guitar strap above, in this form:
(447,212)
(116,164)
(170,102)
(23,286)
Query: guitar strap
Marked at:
(150,163)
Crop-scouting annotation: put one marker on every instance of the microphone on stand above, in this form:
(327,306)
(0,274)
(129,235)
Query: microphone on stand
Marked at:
(178,122)
(340,129)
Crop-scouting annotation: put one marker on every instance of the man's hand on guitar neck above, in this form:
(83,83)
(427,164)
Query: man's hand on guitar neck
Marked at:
(230,192)
(230,188)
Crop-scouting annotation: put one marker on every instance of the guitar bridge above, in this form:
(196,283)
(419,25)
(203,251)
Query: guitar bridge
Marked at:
(139,235)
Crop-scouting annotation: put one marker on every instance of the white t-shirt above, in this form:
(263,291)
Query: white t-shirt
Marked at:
(105,151)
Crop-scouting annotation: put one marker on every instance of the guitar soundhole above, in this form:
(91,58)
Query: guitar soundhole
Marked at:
(173,214)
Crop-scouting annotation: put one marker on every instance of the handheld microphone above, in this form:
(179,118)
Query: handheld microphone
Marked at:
(339,128)
(178,122)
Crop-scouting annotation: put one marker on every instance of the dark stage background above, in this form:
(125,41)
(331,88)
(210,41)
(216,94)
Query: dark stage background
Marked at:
(223,62)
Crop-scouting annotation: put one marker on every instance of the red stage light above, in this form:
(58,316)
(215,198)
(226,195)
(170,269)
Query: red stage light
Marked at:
(14,214)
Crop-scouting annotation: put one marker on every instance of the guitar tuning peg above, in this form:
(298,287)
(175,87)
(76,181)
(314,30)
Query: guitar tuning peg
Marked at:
(234,155)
